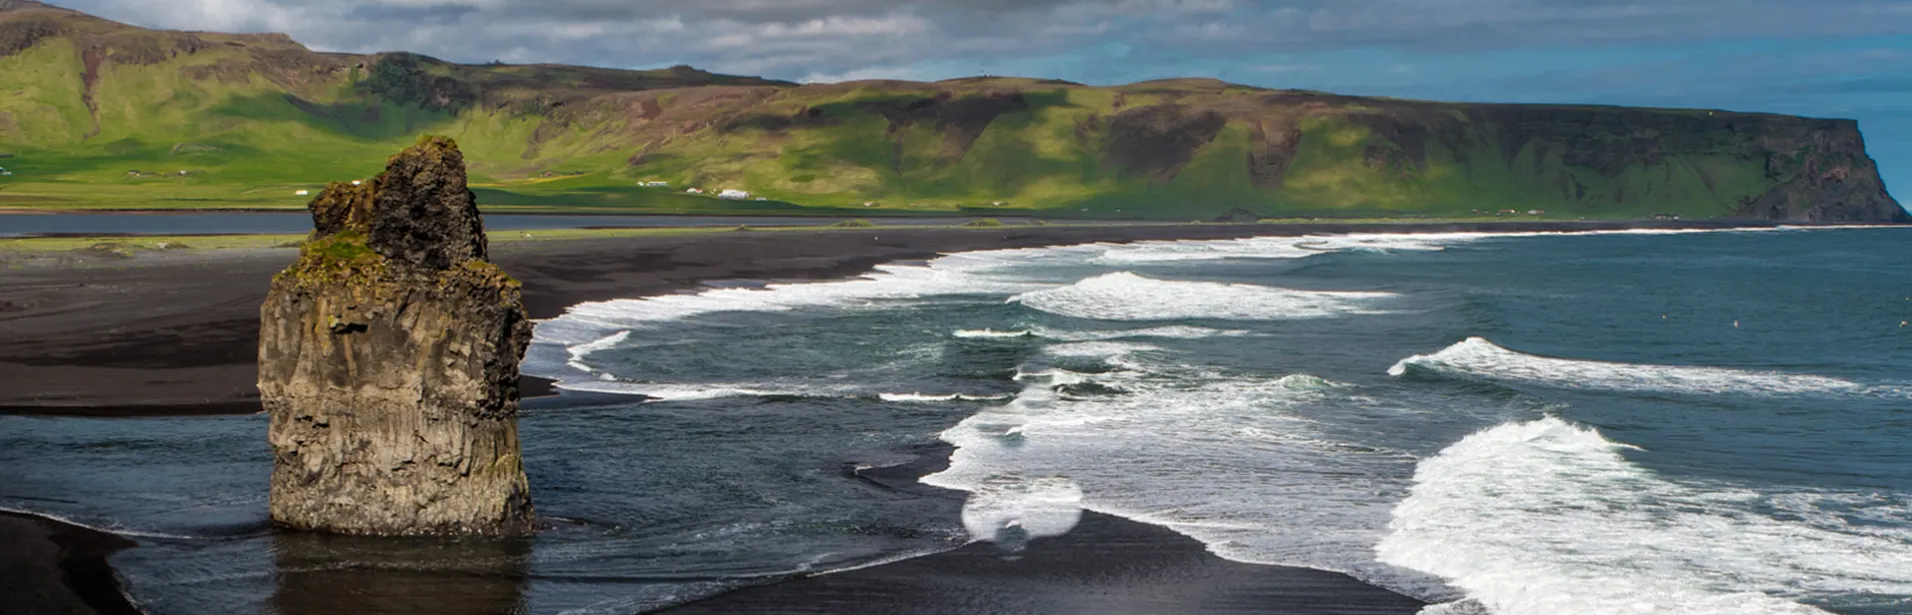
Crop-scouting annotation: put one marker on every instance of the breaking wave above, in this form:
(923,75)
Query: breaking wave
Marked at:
(1275,247)
(699,391)
(1549,518)
(919,397)
(1181,332)
(1231,462)
(994,334)
(1127,296)
(1480,358)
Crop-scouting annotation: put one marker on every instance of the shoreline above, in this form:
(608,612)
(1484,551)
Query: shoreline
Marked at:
(178,337)
(1105,564)
(50,566)
(195,352)
(178,331)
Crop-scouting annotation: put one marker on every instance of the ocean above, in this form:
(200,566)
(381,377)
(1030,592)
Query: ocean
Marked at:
(1523,423)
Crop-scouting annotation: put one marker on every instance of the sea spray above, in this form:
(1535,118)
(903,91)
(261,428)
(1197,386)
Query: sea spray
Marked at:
(1550,518)
(1125,296)
(1479,358)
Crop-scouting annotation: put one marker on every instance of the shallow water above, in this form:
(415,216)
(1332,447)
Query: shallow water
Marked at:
(1547,424)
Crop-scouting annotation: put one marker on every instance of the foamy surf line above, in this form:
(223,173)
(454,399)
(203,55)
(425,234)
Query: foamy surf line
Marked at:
(1547,517)
(1290,496)
(1169,332)
(954,272)
(920,397)
(1314,244)
(119,531)
(697,391)
(1126,296)
(1479,358)
(591,327)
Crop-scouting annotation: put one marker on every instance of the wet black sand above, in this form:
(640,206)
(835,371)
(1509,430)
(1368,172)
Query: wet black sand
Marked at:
(51,567)
(1106,565)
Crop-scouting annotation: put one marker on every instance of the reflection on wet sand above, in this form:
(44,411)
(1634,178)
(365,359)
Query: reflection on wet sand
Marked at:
(326,574)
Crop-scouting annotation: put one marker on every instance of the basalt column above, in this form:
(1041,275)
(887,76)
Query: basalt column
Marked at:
(388,362)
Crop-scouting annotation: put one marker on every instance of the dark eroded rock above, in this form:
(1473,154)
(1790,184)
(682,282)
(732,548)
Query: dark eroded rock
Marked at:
(388,361)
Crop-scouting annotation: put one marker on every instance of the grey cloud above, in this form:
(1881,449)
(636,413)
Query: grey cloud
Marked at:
(373,13)
(795,38)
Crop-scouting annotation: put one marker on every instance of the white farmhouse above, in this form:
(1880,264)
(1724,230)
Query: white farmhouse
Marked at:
(655,184)
(694,191)
(733,195)
(302,193)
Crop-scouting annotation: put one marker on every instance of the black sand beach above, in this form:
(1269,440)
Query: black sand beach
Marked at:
(52,567)
(177,335)
(1106,565)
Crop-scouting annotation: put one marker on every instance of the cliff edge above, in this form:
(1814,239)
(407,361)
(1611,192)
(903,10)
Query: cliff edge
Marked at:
(388,362)
(624,141)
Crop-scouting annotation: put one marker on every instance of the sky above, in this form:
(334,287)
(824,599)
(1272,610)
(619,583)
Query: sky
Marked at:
(1825,58)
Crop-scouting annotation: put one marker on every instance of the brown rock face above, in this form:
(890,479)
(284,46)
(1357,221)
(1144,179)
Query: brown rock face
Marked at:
(1828,178)
(388,361)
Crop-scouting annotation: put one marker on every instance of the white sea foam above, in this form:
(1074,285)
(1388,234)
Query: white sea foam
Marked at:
(1009,508)
(1178,251)
(1480,358)
(1127,296)
(1306,382)
(951,275)
(591,327)
(920,397)
(1051,377)
(1097,349)
(1169,332)
(701,391)
(580,351)
(1229,462)
(1179,332)
(1273,247)
(986,272)
(107,528)
(994,334)
(1549,518)
(1157,252)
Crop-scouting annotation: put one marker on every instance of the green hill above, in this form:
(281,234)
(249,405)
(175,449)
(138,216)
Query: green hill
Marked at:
(253,119)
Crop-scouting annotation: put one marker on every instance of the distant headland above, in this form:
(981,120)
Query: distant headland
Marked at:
(249,121)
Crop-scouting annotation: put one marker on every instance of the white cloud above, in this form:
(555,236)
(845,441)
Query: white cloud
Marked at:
(875,72)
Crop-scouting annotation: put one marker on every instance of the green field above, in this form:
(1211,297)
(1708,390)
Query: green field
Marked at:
(96,115)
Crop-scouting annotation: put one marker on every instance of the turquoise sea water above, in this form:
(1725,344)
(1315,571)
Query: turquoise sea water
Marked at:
(1639,422)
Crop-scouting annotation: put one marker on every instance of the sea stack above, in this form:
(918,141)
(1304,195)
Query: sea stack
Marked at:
(388,362)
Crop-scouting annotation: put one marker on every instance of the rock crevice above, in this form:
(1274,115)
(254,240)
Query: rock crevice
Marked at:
(388,362)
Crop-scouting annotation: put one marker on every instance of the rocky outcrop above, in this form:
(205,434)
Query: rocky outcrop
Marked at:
(388,362)
(1826,176)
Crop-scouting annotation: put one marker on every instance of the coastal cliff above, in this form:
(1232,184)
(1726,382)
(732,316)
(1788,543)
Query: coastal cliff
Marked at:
(245,111)
(388,362)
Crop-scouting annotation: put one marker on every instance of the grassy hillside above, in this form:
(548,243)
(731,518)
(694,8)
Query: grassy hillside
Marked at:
(252,119)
